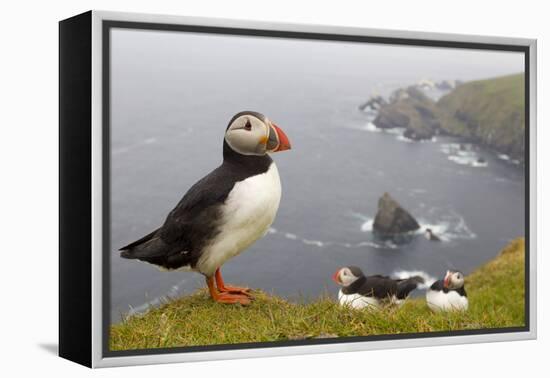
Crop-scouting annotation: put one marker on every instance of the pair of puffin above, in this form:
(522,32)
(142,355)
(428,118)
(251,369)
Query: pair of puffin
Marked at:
(359,291)
(223,213)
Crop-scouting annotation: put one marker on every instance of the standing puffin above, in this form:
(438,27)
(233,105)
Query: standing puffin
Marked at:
(359,291)
(448,294)
(223,213)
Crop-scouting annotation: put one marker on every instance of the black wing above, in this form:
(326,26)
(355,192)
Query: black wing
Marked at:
(438,286)
(378,286)
(404,287)
(193,222)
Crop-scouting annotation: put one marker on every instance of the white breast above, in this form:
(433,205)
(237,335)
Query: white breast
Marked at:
(248,212)
(441,301)
(357,301)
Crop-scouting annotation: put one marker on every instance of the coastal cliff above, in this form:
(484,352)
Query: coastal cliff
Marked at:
(488,112)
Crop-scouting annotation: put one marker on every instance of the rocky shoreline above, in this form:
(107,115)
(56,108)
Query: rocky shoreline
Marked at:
(489,112)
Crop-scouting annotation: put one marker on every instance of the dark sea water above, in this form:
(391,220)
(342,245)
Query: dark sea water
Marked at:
(172,96)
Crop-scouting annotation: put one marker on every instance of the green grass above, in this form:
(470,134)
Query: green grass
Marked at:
(491,111)
(495,290)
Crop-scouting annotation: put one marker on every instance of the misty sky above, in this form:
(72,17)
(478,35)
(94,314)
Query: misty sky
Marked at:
(278,56)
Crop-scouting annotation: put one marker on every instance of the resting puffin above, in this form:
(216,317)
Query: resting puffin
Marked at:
(448,294)
(223,213)
(359,291)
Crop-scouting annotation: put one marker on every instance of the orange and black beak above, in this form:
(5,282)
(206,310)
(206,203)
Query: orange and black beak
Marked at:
(277,139)
(446,280)
(336,277)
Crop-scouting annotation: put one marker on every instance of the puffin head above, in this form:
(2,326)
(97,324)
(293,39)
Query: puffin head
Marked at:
(347,275)
(253,134)
(454,279)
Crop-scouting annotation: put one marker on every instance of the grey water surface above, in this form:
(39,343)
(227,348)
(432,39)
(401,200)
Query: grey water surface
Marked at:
(172,96)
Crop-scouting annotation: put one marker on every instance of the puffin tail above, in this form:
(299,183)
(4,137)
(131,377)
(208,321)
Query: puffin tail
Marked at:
(146,246)
(404,287)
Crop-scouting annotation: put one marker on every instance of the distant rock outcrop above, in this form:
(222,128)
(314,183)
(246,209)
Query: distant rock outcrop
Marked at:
(412,110)
(391,219)
(373,104)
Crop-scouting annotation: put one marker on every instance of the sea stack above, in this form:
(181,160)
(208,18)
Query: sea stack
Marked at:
(392,219)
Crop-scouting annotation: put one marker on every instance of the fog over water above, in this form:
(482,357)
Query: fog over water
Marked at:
(173,94)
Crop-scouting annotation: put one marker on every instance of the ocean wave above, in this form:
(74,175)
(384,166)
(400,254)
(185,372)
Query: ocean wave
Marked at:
(322,244)
(124,149)
(448,148)
(463,154)
(472,161)
(397,131)
(403,138)
(371,127)
(447,224)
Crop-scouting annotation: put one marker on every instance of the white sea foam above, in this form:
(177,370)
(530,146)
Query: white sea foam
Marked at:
(403,138)
(404,274)
(372,128)
(317,243)
(448,148)
(388,244)
(469,160)
(448,226)
(395,131)
(478,163)
(367,224)
(462,154)
(440,229)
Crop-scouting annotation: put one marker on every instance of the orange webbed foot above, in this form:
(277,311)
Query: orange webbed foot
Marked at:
(231,298)
(223,288)
(236,290)
(226,296)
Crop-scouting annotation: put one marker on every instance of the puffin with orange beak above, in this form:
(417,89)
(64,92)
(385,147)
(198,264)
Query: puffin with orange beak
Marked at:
(448,294)
(359,291)
(225,212)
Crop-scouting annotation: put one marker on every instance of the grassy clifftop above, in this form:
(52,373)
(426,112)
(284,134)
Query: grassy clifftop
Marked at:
(489,111)
(496,292)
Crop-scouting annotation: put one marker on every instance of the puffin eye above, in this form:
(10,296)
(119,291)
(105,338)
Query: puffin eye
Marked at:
(248,126)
